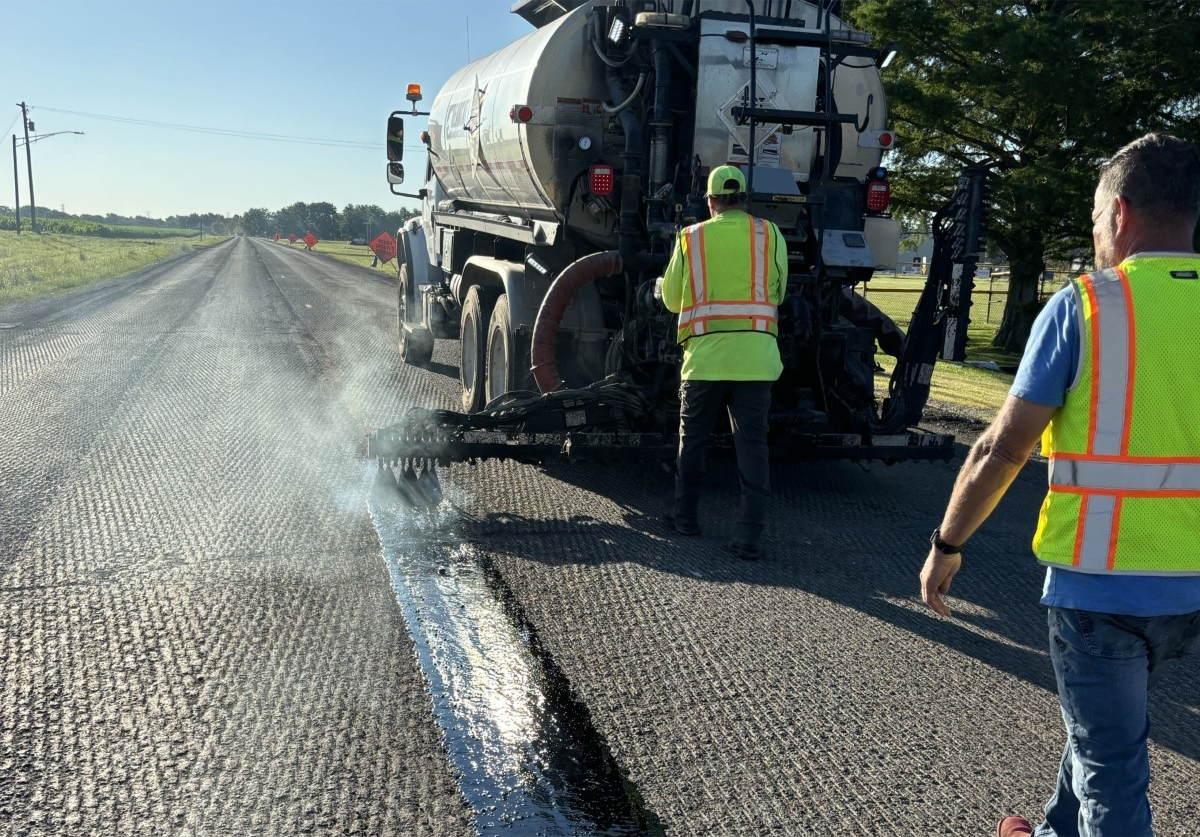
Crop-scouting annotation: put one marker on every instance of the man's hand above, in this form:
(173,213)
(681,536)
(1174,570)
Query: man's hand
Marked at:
(936,575)
(991,466)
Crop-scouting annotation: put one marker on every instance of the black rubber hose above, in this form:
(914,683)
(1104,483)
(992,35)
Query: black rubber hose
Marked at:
(588,269)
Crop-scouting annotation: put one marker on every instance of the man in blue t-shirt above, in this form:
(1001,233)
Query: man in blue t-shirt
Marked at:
(1108,632)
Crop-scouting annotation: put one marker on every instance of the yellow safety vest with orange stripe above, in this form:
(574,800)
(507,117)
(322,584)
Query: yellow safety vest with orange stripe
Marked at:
(729,278)
(1124,449)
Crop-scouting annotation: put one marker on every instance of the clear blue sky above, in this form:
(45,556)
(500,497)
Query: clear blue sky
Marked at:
(320,70)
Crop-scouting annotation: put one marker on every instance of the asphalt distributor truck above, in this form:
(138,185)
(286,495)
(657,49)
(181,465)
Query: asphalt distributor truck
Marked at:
(558,173)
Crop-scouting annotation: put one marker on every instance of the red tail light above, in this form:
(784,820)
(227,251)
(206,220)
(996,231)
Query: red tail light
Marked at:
(520,113)
(602,180)
(879,195)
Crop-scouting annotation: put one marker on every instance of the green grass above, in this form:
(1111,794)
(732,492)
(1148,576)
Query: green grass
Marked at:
(954,383)
(77,226)
(38,266)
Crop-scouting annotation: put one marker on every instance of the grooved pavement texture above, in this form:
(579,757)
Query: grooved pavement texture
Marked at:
(197,634)
(810,692)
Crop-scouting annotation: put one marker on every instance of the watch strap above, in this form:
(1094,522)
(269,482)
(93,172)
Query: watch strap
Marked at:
(941,545)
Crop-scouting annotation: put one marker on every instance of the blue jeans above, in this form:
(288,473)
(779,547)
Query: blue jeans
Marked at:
(1104,665)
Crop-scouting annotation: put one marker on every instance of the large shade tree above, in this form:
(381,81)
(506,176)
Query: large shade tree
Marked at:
(257,221)
(1040,91)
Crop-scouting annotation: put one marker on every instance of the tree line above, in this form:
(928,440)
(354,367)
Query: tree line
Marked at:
(324,221)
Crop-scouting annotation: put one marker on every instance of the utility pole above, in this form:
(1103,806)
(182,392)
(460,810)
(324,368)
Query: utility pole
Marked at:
(16,185)
(29,166)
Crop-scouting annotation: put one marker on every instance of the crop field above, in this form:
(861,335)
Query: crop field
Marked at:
(77,226)
(36,266)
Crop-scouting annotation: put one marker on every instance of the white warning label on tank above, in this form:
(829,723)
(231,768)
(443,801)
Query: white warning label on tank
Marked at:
(741,133)
(768,59)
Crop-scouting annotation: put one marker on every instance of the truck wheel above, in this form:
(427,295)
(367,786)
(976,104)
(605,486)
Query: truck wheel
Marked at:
(416,343)
(507,370)
(476,311)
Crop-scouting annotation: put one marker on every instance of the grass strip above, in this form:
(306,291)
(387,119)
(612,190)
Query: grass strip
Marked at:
(38,266)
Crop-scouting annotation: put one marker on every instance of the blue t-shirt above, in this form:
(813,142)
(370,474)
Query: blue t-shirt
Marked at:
(1046,373)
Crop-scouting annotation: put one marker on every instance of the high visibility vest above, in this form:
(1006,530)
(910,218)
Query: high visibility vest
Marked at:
(1124,449)
(729,269)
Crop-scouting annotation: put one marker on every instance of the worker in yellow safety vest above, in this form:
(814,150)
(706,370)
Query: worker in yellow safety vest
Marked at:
(1110,384)
(725,281)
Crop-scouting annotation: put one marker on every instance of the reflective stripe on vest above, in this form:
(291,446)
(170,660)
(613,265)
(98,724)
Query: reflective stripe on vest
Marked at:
(760,255)
(696,268)
(728,311)
(1144,476)
(1111,339)
(695,319)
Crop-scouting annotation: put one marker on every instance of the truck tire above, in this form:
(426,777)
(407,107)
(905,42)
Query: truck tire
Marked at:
(472,365)
(416,342)
(507,364)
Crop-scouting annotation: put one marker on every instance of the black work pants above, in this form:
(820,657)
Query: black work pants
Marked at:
(748,403)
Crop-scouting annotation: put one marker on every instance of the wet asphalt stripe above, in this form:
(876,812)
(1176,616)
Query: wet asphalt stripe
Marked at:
(528,760)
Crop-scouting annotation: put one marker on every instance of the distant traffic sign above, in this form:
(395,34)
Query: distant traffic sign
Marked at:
(291,238)
(309,241)
(384,246)
(277,236)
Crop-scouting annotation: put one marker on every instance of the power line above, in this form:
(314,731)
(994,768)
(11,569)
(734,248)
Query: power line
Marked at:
(148,123)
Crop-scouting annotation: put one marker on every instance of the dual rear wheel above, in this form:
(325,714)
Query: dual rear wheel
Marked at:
(491,364)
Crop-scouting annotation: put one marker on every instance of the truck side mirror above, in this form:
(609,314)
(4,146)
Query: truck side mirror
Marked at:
(395,173)
(395,138)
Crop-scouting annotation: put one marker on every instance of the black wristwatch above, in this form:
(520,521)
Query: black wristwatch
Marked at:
(941,546)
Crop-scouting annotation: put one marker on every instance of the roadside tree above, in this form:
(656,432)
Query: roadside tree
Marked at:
(323,220)
(1040,91)
(257,222)
(293,219)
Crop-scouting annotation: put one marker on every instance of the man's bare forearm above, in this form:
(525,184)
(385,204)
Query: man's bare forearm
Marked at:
(990,469)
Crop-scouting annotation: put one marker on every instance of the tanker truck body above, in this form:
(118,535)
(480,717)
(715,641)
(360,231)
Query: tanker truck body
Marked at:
(558,174)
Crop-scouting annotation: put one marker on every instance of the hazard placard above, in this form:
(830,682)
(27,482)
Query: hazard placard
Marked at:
(384,246)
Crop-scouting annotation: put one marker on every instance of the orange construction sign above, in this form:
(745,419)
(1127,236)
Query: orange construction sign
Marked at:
(384,246)
(277,236)
(310,240)
(291,238)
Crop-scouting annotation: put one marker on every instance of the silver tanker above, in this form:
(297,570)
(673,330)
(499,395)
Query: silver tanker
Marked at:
(560,169)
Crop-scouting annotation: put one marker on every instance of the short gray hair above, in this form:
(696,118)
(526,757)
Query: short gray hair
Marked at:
(1159,174)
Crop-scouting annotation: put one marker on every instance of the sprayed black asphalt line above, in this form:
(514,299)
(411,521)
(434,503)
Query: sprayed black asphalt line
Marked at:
(528,760)
(566,696)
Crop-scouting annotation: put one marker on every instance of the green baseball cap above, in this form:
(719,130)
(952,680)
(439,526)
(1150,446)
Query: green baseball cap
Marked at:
(726,180)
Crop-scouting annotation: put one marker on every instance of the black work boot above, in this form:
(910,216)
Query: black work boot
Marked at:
(683,516)
(745,542)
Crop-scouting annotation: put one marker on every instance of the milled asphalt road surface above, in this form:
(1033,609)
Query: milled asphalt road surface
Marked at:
(199,635)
